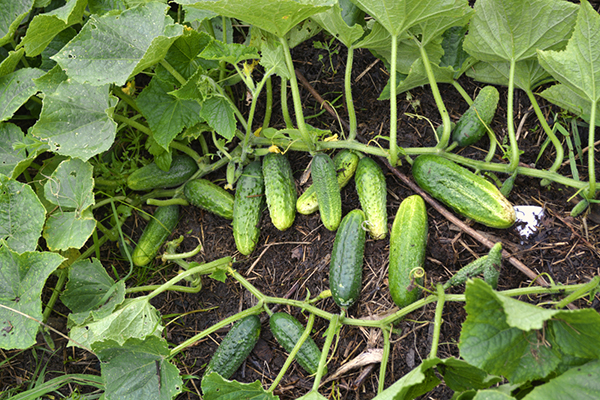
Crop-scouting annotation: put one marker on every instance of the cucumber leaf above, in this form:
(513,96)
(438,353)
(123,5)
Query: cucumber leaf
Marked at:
(11,157)
(71,185)
(22,215)
(13,12)
(11,61)
(312,395)
(460,375)
(529,74)
(333,22)
(69,229)
(22,277)
(565,98)
(418,381)
(113,47)
(218,113)
(138,369)
(232,53)
(576,383)
(216,387)
(15,89)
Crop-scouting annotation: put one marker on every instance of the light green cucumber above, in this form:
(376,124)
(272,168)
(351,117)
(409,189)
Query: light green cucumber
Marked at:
(247,208)
(372,193)
(204,194)
(280,190)
(159,228)
(327,190)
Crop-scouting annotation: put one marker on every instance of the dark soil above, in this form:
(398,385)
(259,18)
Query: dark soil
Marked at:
(294,262)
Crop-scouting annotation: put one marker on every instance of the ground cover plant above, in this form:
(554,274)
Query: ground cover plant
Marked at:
(124,116)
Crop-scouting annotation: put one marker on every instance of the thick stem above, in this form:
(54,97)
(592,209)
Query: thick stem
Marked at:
(439,309)
(555,141)
(333,327)
(462,92)
(269,105)
(393,104)
(348,92)
(284,105)
(63,273)
(591,194)
(385,332)
(514,147)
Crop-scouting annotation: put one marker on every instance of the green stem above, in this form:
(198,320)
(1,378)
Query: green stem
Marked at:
(462,92)
(393,145)
(165,64)
(179,256)
(514,147)
(269,105)
(439,309)
(296,95)
(249,133)
(126,98)
(292,355)
(348,91)
(63,273)
(591,194)
(174,288)
(385,332)
(191,341)
(109,200)
(585,288)
(170,202)
(249,287)
(133,124)
(187,150)
(333,327)
(284,105)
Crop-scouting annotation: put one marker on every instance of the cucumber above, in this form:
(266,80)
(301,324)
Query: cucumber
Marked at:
(327,190)
(468,194)
(408,241)
(247,208)
(151,176)
(287,330)
(371,188)
(345,268)
(235,347)
(491,272)
(345,164)
(156,232)
(472,125)
(204,194)
(489,265)
(280,190)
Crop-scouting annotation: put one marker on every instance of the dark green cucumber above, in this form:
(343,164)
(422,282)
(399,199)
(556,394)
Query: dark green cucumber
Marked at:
(345,164)
(280,190)
(472,125)
(159,228)
(327,190)
(491,272)
(287,330)
(408,242)
(372,193)
(489,265)
(235,347)
(152,177)
(247,208)
(204,194)
(345,268)
(468,194)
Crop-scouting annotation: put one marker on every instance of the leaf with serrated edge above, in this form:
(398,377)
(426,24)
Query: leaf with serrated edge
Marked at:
(9,64)
(71,185)
(15,89)
(232,53)
(13,12)
(579,383)
(69,229)
(22,277)
(216,387)
(332,21)
(138,369)
(111,48)
(529,74)
(10,134)
(415,383)
(565,98)
(22,215)
(217,111)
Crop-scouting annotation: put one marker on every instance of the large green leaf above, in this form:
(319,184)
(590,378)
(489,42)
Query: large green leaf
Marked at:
(529,74)
(11,157)
(457,13)
(333,22)
(275,16)
(111,48)
(138,369)
(69,229)
(183,55)
(13,12)
(579,383)
(504,30)
(460,375)
(22,277)
(565,98)
(15,89)
(232,53)
(167,115)
(44,27)
(11,61)
(215,387)
(415,383)
(71,185)
(21,215)
(75,120)
(218,112)
(578,66)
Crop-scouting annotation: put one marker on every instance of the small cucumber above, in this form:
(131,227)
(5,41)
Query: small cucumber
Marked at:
(159,228)
(327,190)
(489,265)
(280,190)
(247,208)
(151,176)
(235,347)
(204,194)
(472,125)
(468,194)
(345,164)
(287,330)
(372,193)
(408,241)
(345,268)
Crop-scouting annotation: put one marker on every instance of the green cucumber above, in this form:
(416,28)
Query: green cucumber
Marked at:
(327,190)
(160,227)
(235,347)
(280,190)
(287,330)
(204,194)
(345,268)
(491,272)
(489,265)
(247,208)
(408,242)
(372,193)
(468,194)
(345,164)
(152,177)
(472,125)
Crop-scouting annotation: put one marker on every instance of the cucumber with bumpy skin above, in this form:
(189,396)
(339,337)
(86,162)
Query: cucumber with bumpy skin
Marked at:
(287,330)
(156,232)
(327,190)
(235,347)
(151,176)
(345,164)
(280,190)
(466,193)
(247,208)
(408,242)
(472,125)
(345,268)
(204,194)
(372,193)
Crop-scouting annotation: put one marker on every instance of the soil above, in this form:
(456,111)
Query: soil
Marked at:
(295,262)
